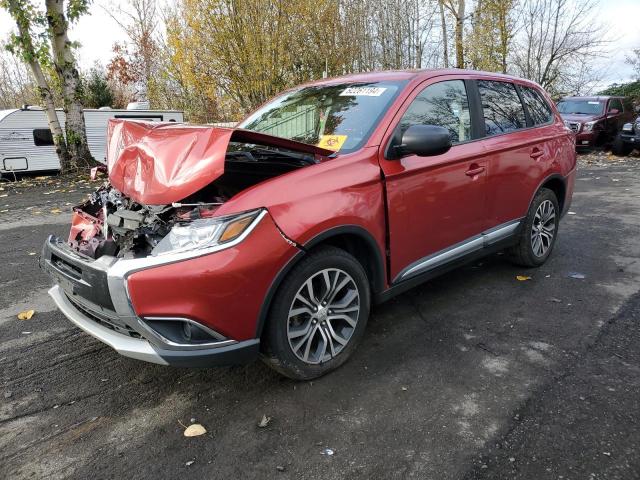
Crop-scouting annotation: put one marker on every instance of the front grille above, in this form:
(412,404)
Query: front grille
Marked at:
(78,274)
(104,320)
(574,126)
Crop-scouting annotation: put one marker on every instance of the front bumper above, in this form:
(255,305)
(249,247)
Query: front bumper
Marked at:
(107,298)
(586,139)
(142,349)
(630,138)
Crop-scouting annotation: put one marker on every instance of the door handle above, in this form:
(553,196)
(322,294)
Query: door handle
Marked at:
(536,153)
(474,170)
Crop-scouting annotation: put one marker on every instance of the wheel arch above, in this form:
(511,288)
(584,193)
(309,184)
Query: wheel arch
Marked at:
(558,185)
(352,238)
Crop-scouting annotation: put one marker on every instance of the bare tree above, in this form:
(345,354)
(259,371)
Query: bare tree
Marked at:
(140,63)
(457,10)
(16,84)
(634,61)
(558,38)
(445,38)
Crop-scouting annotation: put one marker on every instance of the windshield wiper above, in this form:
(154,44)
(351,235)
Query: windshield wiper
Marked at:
(301,157)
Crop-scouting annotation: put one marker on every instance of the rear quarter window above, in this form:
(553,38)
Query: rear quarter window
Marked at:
(539,110)
(501,106)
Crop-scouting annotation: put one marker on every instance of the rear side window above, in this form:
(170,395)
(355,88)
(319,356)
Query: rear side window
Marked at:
(42,137)
(443,104)
(503,111)
(539,110)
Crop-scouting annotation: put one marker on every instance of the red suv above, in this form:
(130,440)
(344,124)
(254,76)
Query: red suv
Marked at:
(595,120)
(210,246)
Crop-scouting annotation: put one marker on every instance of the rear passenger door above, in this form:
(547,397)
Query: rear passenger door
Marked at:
(517,150)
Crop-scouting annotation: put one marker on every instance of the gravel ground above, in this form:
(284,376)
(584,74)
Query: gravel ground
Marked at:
(472,375)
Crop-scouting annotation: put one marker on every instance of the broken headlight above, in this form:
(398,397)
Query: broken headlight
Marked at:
(205,233)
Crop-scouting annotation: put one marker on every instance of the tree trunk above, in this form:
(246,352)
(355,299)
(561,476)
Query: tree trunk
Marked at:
(44,91)
(445,39)
(64,63)
(459,35)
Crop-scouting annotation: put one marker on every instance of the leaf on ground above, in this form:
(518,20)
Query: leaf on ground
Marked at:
(522,278)
(195,430)
(32,253)
(56,210)
(264,422)
(26,315)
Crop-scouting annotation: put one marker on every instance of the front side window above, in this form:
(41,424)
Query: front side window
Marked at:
(338,116)
(539,110)
(615,104)
(443,104)
(502,109)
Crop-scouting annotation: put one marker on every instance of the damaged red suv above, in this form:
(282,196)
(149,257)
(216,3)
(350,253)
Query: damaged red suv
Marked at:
(213,246)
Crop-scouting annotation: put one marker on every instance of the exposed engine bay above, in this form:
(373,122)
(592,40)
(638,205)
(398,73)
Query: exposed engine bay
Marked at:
(110,223)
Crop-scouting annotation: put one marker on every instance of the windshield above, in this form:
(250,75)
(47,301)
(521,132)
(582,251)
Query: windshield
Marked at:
(586,107)
(338,117)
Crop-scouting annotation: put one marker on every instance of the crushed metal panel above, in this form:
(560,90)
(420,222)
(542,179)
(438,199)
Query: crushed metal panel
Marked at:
(157,164)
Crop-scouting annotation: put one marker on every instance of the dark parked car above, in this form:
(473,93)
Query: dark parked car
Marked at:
(628,138)
(595,120)
(211,245)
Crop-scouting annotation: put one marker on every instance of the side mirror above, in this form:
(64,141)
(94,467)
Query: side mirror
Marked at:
(424,141)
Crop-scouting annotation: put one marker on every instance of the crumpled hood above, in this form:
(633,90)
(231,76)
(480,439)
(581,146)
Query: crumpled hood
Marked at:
(161,163)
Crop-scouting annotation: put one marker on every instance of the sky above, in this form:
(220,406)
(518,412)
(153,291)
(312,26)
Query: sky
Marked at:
(98,32)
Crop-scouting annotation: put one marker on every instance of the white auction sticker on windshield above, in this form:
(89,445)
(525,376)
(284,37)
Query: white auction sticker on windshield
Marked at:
(593,103)
(362,92)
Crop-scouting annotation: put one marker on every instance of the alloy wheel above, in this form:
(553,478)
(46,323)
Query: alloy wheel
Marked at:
(543,228)
(323,316)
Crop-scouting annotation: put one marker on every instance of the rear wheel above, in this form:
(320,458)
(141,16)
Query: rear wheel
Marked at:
(539,232)
(620,147)
(318,316)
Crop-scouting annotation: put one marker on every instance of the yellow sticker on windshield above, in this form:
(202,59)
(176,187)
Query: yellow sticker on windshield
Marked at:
(332,142)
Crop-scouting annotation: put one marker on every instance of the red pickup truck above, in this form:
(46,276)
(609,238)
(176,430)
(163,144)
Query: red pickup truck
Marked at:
(595,120)
(211,246)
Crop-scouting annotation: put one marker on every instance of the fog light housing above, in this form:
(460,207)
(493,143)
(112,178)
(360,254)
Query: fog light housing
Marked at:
(181,332)
(186,330)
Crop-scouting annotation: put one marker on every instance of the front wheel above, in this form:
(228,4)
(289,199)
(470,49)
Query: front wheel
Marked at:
(539,231)
(318,316)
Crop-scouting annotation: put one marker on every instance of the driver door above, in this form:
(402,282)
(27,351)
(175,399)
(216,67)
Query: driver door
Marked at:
(436,205)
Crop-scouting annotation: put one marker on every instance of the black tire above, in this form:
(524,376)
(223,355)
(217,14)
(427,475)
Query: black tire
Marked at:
(620,147)
(523,253)
(278,350)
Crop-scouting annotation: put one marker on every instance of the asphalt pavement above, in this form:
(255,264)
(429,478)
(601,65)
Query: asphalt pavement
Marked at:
(472,375)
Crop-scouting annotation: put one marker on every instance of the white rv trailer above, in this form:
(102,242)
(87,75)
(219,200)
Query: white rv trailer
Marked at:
(26,144)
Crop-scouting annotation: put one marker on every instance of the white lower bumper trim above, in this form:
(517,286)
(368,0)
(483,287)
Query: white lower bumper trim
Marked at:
(126,346)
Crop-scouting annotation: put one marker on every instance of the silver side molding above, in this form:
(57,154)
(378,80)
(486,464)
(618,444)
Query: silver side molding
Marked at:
(459,250)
